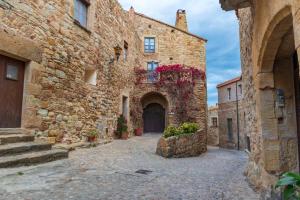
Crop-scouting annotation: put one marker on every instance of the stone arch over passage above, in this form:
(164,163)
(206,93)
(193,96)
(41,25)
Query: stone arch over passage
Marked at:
(278,95)
(155,109)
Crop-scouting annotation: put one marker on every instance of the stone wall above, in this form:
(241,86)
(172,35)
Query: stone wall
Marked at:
(59,54)
(182,146)
(57,100)
(229,111)
(272,128)
(173,46)
(212,130)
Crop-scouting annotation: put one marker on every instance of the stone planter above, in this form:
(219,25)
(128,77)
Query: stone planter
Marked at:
(182,146)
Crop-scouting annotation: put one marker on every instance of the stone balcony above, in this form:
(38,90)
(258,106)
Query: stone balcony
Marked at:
(228,5)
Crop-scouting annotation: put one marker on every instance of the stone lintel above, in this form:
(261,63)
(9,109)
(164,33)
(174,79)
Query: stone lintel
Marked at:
(19,47)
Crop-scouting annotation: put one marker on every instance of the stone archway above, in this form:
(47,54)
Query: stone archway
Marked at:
(276,82)
(155,109)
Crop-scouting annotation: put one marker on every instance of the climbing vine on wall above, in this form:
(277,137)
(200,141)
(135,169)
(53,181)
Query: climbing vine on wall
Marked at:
(178,80)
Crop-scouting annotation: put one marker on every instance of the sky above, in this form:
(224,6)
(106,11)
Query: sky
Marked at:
(208,20)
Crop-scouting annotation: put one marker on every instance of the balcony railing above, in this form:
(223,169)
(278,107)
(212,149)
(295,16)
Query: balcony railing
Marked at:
(152,77)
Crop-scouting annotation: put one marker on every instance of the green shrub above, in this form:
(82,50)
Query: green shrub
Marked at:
(290,182)
(92,133)
(170,131)
(121,126)
(183,129)
(189,128)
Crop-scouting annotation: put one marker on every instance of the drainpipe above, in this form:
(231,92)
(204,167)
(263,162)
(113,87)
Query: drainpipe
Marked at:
(237,115)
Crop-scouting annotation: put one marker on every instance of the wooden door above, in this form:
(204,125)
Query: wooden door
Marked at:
(11,92)
(154,118)
(229,129)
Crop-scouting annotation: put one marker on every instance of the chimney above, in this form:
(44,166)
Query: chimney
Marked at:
(131,13)
(181,22)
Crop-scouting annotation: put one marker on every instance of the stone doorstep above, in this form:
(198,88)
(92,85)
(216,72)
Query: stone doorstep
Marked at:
(32,158)
(71,147)
(13,131)
(17,148)
(14,138)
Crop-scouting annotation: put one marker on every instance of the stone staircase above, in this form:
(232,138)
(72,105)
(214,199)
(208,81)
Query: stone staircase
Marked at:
(18,148)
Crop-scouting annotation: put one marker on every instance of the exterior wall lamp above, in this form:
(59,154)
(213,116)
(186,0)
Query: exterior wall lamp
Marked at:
(118,51)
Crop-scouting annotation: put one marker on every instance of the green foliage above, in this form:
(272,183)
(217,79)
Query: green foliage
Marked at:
(189,128)
(290,182)
(92,133)
(170,131)
(183,129)
(121,126)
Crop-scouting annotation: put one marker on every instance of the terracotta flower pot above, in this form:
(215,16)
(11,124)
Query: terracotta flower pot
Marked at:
(92,138)
(138,132)
(125,136)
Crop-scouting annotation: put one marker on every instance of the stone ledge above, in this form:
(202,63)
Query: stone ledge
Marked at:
(182,146)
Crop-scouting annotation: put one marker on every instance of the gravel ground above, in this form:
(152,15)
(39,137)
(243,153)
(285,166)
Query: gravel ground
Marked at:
(110,172)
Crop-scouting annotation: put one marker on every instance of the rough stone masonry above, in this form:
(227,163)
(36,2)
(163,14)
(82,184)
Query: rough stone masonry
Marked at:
(75,76)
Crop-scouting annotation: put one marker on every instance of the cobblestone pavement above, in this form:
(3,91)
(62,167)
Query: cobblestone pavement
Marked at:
(109,172)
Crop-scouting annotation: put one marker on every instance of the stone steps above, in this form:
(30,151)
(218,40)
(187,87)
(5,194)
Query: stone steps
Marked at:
(17,148)
(13,131)
(14,138)
(32,158)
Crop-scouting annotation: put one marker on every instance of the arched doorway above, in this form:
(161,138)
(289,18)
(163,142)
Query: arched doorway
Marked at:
(155,109)
(154,118)
(278,95)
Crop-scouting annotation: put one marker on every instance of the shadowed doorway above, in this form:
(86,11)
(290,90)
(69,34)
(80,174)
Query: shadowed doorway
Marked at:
(154,118)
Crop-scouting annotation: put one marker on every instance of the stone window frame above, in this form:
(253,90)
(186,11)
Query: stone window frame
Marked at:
(214,121)
(229,93)
(150,50)
(125,52)
(90,76)
(240,89)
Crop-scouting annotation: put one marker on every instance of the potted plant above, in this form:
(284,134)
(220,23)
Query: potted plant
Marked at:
(290,183)
(122,128)
(92,135)
(138,132)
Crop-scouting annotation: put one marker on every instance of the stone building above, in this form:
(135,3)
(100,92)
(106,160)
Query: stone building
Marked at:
(171,45)
(270,40)
(68,66)
(231,115)
(213,126)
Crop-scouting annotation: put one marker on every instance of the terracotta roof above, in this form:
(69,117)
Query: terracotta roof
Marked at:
(230,81)
(174,27)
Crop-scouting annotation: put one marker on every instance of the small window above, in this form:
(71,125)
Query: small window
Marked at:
(214,122)
(241,89)
(12,72)
(229,93)
(125,50)
(151,66)
(149,45)
(90,77)
(81,10)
